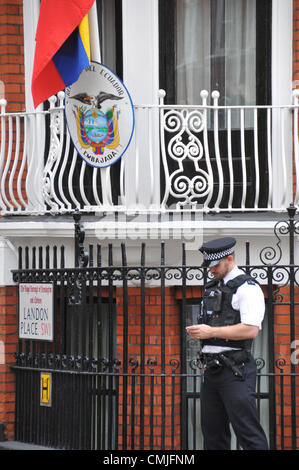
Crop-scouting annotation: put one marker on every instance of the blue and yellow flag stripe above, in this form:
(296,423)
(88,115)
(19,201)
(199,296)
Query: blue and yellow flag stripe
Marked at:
(74,54)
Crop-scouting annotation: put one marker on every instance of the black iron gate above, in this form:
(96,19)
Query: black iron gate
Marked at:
(98,386)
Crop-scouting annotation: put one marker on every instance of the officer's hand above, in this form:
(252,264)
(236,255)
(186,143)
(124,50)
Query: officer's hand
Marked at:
(200,331)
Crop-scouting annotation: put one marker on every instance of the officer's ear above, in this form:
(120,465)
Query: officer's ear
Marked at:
(231,258)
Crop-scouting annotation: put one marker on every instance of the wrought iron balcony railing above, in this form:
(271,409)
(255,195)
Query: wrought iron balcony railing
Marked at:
(203,157)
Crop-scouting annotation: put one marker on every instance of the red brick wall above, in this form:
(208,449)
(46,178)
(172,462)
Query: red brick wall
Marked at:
(8,346)
(12,53)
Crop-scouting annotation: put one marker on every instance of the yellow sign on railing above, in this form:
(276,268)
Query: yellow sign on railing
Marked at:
(45,389)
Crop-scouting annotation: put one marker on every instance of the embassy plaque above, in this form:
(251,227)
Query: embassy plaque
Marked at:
(99,115)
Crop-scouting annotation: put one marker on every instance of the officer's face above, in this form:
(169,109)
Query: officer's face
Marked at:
(221,269)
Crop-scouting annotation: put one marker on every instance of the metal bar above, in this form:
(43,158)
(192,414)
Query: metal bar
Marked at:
(91,308)
(68,365)
(82,363)
(116,405)
(172,410)
(283,158)
(142,344)
(291,213)
(7,165)
(99,351)
(280,365)
(137,158)
(270,325)
(125,346)
(243,158)
(104,424)
(62,349)
(296,143)
(110,346)
(151,415)
(247,257)
(162,346)
(53,354)
(184,405)
(134,364)
(71,186)
(269,158)
(15,162)
(19,376)
(204,95)
(37,259)
(31,355)
(3,104)
(89,399)
(163,119)
(230,160)
(150,117)
(256,160)
(215,96)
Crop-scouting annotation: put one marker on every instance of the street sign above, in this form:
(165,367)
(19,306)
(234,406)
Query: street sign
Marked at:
(36,311)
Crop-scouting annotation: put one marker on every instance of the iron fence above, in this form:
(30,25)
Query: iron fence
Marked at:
(111,388)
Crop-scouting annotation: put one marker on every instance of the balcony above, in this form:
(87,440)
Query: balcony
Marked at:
(204,158)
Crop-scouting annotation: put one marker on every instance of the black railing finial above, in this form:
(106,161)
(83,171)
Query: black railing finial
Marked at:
(81,256)
(291,210)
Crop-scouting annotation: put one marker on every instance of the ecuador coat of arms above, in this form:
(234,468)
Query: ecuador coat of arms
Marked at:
(99,115)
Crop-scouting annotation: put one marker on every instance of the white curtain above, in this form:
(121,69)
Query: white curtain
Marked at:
(192,50)
(232,30)
(240,45)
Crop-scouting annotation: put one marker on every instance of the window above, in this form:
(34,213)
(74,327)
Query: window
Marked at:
(219,45)
(110,32)
(222,45)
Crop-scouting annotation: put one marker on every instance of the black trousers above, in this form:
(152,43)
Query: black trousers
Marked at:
(226,399)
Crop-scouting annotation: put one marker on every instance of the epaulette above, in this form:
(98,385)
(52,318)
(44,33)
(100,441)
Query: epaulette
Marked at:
(235,283)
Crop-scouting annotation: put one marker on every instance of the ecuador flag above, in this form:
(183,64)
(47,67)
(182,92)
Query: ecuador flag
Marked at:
(62,46)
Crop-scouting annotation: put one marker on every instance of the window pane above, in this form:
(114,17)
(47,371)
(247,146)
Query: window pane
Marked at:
(215,50)
(240,56)
(110,31)
(108,39)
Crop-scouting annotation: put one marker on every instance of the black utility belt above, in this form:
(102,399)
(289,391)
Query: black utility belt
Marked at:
(238,355)
(234,360)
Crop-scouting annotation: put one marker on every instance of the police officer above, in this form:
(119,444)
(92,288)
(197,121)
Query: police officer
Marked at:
(232,312)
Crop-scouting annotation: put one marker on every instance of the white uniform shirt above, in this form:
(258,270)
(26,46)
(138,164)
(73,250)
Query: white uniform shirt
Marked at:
(249,300)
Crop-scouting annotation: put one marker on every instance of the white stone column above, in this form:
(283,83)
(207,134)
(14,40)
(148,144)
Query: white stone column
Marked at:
(9,261)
